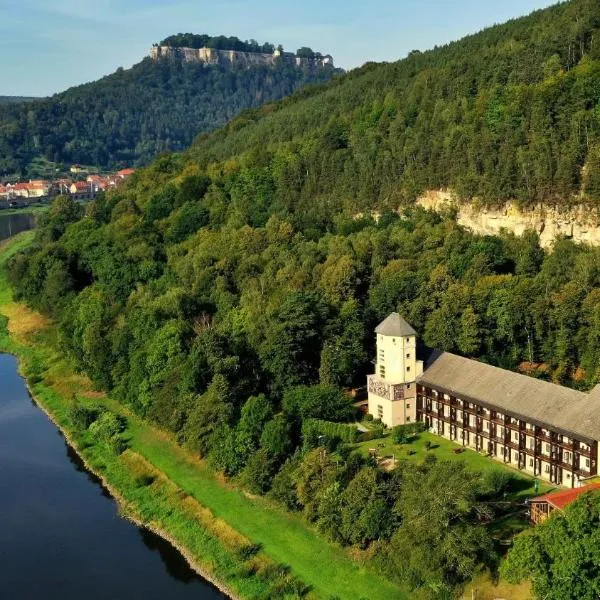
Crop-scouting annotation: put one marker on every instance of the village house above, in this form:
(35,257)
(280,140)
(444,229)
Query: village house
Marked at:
(546,430)
(542,507)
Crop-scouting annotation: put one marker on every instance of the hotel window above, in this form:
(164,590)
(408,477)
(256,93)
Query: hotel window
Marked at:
(566,457)
(380,411)
(548,448)
(407,369)
(532,444)
(547,469)
(516,436)
(587,463)
(487,426)
(531,462)
(382,371)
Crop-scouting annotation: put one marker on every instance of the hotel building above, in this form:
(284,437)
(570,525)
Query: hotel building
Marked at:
(546,430)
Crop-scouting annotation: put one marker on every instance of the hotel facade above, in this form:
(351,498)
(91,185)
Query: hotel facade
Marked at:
(546,430)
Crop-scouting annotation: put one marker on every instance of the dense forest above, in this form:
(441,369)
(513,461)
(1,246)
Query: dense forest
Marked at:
(508,113)
(129,117)
(229,294)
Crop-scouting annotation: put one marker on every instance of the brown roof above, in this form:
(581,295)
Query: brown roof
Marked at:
(556,407)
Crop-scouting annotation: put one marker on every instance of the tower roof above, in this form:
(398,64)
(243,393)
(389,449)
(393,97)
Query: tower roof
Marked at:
(395,325)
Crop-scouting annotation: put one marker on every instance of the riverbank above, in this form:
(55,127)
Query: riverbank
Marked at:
(248,547)
(32,209)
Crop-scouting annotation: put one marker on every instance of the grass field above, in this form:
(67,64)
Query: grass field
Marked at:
(523,485)
(32,209)
(187,492)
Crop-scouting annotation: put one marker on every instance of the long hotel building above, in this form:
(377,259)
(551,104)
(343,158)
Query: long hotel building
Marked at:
(546,430)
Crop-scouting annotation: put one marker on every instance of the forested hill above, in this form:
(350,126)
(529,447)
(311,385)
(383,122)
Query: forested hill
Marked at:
(13,99)
(129,117)
(509,113)
(229,293)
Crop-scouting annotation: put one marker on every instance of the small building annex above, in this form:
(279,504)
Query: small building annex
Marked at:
(547,430)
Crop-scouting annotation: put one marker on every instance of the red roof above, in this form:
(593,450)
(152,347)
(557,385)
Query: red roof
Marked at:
(561,498)
(125,172)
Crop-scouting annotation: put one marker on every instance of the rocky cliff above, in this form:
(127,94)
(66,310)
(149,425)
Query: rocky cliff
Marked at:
(580,223)
(210,56)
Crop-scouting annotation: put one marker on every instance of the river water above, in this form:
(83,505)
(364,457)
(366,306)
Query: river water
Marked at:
(15,223)
(60,533)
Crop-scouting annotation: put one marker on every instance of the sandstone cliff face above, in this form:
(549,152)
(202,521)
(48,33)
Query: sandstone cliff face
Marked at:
(579,223)
(211,56)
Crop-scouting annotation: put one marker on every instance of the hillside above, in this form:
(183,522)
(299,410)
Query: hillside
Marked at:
(15,99)
(229,293)
(129,117)
(508,113)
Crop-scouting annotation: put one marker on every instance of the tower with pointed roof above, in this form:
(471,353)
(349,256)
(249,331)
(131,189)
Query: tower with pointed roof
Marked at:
(392,388)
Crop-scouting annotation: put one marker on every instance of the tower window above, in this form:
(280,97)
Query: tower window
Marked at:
(382,371)
(407,340)
(407,369)
(380,411)
(408,355)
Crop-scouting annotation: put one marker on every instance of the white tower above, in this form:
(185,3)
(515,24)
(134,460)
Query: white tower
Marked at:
(392,389)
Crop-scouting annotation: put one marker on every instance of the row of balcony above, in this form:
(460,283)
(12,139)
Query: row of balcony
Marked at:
(522,427)
(555,454)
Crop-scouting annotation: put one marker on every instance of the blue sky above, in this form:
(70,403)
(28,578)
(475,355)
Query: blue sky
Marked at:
(49,45)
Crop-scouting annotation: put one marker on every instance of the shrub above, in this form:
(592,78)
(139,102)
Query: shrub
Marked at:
(402,434)
(144,480)
(107,426)
(118,445)
(312,429)
(82,416)
(372,434)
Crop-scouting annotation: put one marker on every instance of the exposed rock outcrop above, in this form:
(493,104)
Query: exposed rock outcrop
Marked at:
(210,56)
(580,223)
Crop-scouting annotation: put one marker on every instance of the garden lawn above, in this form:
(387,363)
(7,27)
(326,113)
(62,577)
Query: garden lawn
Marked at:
(523,485)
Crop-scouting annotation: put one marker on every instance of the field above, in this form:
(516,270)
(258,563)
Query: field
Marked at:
(186,493)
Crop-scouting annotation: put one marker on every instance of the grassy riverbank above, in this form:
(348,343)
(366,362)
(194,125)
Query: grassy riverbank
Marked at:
(26,210)
(253,549)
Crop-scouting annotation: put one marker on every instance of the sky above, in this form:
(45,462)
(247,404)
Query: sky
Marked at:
(47,46)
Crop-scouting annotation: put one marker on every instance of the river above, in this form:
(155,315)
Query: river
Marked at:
(11,224)
(60,533)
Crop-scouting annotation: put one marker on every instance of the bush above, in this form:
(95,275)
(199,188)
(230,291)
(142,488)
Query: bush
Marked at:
(402,434)
(82,416)
(107,426)
(144,480)
(118,445)
(495,482)
(313,429)
(372,434)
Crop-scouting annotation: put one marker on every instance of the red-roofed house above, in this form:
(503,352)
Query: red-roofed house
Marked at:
(543,506)
(80,187)
(125,172)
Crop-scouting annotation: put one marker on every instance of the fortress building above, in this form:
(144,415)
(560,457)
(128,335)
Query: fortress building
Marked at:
(212,56)
(546,430)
